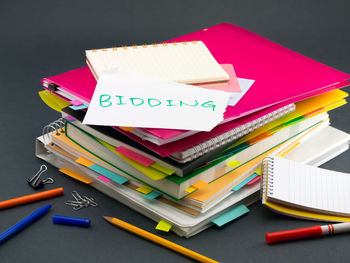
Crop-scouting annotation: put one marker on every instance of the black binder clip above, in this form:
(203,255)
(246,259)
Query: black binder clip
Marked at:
(36,182)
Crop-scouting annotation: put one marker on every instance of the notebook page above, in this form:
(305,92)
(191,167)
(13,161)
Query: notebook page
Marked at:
(309,187)
(187,62)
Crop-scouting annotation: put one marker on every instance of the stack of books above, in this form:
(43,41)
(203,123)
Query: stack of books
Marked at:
(189,180)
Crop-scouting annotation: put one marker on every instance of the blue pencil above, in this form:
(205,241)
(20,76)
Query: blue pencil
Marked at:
(24,223)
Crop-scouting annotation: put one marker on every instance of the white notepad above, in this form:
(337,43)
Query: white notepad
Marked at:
(185,62)
(302,186)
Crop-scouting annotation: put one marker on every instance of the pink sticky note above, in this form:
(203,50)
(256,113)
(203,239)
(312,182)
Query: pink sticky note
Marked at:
(104,179)
(254,180)
(134,156)
(231,86)
(76,102)
(69,118)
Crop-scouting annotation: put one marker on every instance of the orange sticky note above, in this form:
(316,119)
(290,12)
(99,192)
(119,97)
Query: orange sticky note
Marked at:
(199,184)
(75,176)
(85,162)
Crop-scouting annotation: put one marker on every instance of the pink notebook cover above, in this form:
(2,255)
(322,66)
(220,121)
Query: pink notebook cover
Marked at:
(279,73)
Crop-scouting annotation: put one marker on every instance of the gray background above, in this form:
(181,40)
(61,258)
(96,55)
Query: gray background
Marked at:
(44,38)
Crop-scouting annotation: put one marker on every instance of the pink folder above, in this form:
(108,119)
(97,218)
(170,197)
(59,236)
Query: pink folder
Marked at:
(280,75)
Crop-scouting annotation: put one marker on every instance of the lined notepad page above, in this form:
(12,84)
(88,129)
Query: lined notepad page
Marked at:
(309,187)
(185,62)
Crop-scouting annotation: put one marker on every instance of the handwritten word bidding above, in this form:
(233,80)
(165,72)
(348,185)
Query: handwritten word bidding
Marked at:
(107,100)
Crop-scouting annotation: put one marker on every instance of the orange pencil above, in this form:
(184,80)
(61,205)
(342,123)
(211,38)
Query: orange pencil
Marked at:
(31,198)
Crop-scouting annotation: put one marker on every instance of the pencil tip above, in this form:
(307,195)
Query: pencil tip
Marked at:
(108,218)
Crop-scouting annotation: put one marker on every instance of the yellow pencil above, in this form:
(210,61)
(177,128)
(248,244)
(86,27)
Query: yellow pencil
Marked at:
(158,240)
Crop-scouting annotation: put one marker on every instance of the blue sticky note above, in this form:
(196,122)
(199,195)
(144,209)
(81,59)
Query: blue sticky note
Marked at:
(151,195)
(80,107)
(109,174)
(244,182)
(230,215)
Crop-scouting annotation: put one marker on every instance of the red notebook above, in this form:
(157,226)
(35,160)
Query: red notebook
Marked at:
(280,75)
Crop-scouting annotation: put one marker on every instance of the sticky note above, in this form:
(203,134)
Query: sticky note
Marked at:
(143,101)
(85,162)
(80,107)
(127,128)
(76,176)
(69,118)
(144,189)
(109,174)
(104,179)
(254,180)
(233,163)
(230,215)
(163,226)
(151,195)
(53,101)
(244,182)
(162,168)
(76,102)
(200,184)
(258,171)
(190,189)
(134,156)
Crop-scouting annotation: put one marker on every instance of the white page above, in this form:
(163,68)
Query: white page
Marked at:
(124,98)
(245,85)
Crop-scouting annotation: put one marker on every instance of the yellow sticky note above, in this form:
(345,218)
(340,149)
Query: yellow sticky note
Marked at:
(85,162)
(199,184)
(190,189)
(234,163)
(144,189)
(75,176)
(53,101)
(163,226)
(258,171)
(162,168)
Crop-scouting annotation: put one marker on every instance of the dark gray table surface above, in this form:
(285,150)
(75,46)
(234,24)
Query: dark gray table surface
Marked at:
(44,38)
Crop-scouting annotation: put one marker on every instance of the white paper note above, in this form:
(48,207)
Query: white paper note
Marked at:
(124,98)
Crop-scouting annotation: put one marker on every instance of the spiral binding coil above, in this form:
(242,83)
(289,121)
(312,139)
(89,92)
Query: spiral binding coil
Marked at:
(56,126)
(202,148)
(267,175)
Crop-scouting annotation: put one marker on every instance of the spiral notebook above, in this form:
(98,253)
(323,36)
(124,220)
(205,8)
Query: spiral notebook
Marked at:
(186,62)
(305,187)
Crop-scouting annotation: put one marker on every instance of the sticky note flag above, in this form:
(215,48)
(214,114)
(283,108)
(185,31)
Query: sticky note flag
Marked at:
(244,182)
(254,180)
(53,101)
(134,156)
(190,189)
(76,176)
(233,163)
(200,184)
(258,171)
(143,101)
(85,162)
(80,107)
(109,174)
(76,102)
(151,195)
(104,179)
(144,189)
(230,215)
(127,128)
(69,118)
(163,226)
(162,168)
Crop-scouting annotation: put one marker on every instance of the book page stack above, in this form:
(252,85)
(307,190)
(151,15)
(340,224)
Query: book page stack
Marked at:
(177,171)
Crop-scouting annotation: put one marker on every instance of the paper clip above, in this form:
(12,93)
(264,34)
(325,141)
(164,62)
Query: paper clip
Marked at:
(80,202)
(36,182)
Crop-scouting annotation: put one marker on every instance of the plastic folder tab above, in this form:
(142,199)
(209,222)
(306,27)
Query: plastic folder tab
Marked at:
(230,215)
(163,226)
(162,168)
(53,101)
(151,195)
(109,174)
(75,176)
(199,184)
(254,180)
(76,102)
(104,179)
(144,189)
(80,107)
(190,189)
